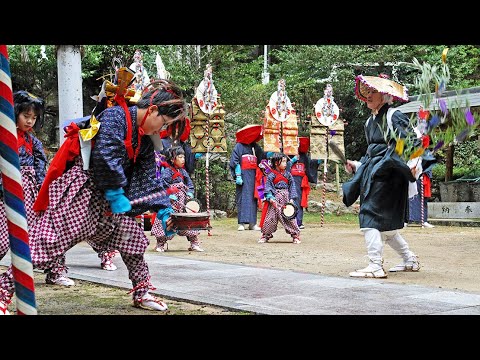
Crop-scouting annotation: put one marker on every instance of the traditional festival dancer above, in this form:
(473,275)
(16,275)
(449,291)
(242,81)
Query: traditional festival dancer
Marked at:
(279,190)
(245,158)
(168,142)
(29,114)
(381,178)
(94,204)
(303,176)
(175,175)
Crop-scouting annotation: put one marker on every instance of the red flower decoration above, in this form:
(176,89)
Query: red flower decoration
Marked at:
(423,114)
(273,111)
(334,116)
(319,114)
(200,103)
(425,141)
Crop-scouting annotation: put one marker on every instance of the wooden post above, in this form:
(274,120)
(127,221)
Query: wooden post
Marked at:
(337,177)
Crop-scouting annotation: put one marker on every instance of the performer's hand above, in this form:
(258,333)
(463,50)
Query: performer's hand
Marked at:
(239,180)
(414,172)
(169,224)
(350,167)
(189,195)
(119,203)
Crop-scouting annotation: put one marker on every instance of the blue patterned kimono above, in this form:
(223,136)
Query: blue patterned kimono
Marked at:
(113,169)
(189,155)
(245,194)
(37,159)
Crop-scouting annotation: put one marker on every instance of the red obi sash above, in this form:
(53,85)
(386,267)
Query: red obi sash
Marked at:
(298,169)
(279,177)
(249,162)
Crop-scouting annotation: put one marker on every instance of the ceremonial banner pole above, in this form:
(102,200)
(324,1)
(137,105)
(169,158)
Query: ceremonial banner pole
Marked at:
(324,188)
(326,111)
(422,197)
(208,97)
(13,195)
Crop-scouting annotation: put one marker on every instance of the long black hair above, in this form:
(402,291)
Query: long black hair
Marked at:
(172,153)
(277,159)
(24,101)
(170,102)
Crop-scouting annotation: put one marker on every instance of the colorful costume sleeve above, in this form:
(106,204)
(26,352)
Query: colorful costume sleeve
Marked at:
(292,190)
(189,158)
(109,155)
(166,178)
(187,181)
(40,160)
(235,158)
(305,192)
(69,150)
(112,168)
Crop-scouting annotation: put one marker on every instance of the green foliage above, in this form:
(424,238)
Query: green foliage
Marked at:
(221,189)
(237,71)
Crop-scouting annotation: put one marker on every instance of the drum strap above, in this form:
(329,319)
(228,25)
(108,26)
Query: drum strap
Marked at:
(176,172)
(279,177)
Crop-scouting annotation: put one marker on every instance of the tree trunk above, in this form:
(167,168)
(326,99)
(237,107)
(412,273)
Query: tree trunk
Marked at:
(449,163)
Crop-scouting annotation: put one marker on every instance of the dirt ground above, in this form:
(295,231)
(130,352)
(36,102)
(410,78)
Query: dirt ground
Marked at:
(448,255)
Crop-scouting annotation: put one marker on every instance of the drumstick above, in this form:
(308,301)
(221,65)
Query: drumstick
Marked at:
(336,150)
(169,191)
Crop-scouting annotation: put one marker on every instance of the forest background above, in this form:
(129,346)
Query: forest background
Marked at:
(237,75)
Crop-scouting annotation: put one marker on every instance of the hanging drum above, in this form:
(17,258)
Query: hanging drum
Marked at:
(191,221)
(192,206)
(289,211)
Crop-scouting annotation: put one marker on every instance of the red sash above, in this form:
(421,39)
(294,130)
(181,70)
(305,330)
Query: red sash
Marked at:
(305,192)
(176,172)
(298,169)
(24,140)
(69,150)
(249,162)
(427,186)
(279,177)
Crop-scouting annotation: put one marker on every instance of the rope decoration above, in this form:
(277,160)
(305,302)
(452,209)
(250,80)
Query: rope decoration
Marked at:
(13,195)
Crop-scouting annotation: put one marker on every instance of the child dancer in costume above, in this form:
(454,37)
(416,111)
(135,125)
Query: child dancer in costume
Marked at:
(175,175)
(95,204)
(279,190)
(302,175)
(29,111)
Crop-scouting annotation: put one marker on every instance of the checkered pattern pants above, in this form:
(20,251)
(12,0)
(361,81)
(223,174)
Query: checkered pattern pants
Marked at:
(179,207)
(30,192)
(77,212)
(274,215)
